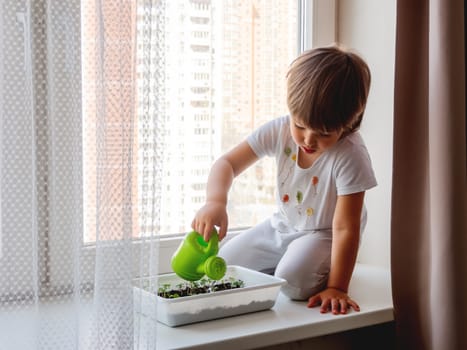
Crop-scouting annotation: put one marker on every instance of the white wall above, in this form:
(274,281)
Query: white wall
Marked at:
(368,26)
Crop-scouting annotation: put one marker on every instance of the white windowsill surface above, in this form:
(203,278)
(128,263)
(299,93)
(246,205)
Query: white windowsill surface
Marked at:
(288,320)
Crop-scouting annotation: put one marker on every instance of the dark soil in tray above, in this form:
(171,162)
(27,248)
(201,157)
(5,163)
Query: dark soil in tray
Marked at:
(202,286)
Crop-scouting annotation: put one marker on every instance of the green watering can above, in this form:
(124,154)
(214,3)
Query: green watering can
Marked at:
(195,258)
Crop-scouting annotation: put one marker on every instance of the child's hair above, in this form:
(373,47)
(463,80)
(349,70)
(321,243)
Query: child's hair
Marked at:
(327,89)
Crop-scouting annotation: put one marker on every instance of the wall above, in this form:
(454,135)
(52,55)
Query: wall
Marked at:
(368,27)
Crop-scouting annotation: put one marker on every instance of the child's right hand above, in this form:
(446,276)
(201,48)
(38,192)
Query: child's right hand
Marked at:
(210,215)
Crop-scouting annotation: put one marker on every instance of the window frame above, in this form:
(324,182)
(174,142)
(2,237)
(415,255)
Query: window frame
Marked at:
(319,26)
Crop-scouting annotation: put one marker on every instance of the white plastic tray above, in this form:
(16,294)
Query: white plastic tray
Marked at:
(259,293)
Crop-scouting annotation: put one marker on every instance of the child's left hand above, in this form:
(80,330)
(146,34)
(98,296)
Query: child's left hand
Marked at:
(333,299)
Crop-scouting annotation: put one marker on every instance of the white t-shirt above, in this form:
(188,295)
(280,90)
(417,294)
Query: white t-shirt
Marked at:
(306,198)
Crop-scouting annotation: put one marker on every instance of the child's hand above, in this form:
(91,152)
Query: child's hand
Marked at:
(333,299)
(210,215)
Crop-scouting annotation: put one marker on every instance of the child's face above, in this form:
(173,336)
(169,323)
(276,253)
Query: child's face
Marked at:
(310,141)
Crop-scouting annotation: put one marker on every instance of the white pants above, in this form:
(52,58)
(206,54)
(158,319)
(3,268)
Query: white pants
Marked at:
(301,258)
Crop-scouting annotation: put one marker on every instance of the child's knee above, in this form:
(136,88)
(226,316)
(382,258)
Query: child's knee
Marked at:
(301,284)
(303,291)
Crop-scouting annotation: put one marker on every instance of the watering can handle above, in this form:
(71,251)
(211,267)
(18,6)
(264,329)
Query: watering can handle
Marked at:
(213,244)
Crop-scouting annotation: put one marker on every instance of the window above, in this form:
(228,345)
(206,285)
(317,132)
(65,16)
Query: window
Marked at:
(225,65)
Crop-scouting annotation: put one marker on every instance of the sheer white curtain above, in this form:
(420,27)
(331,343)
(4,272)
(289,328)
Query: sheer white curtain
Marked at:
(79,101)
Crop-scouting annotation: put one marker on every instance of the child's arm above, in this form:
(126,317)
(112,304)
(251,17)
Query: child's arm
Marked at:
(222,173)
(345,242)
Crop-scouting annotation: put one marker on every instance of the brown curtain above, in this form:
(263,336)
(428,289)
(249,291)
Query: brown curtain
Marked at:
(429,210)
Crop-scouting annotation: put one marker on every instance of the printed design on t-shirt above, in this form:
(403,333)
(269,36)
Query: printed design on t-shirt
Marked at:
(314,183)
(287,198)
(293,157)
(299,198)
(309,211)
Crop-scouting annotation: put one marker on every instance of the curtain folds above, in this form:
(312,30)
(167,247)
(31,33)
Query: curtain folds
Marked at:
(429,198)
(80,180)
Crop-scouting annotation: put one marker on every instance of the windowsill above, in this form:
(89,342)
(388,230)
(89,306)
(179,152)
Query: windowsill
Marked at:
(288,320)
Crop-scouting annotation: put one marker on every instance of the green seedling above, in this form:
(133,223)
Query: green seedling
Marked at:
(202,286)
